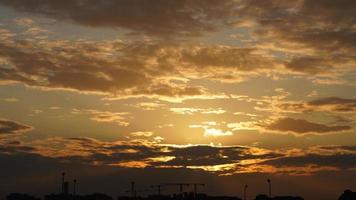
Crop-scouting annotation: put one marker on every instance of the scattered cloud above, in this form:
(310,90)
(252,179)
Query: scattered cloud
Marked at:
(212,129)
(119,118)
(27,22)
(327,104)
(334,104)
(190,111)
(11,99)
(140,133)
(115,69)
(249,125)
(301,127)
(13,127)
(149,105)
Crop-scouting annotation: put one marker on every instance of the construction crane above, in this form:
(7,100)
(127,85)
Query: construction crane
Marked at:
(137,192)
(178,184)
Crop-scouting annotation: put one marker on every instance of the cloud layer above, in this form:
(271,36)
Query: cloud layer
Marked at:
(158,17)
(220,160)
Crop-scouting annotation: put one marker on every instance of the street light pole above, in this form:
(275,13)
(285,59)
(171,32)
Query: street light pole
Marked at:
(245,188)
(269,188)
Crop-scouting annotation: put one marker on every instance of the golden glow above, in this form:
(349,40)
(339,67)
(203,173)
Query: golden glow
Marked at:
(161,159)
(227,91)
(216,132)
(132,164)
(215,168)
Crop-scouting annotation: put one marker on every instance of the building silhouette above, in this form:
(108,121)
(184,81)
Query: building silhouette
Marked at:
(18,196)
(265,197)
(348,195)
(180,196)
(95,196)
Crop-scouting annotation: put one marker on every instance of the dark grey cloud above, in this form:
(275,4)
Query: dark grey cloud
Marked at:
(144,68)
(90,151)
(234,159)
(12,127)
(339,148)
(325,27)
(188,160)
(335,104)
(13,149)
(209,156)
(340,161)
(301,126)
(39,175)
(157,17)
(329,104)
(323,30)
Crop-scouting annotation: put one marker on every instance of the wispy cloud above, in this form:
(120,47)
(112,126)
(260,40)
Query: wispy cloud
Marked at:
(301,126)
(13,127)
(119,118)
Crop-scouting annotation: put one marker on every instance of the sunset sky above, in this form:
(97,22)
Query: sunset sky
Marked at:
(224,92)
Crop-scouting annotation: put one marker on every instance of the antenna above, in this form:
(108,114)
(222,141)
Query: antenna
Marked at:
(178,184)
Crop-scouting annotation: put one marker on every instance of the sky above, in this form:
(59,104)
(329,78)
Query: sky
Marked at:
(223,92)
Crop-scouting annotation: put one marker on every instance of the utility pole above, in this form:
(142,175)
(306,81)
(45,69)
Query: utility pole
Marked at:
(269,188)
(133,193)
(245,188)
(180,187)
(195,189)
(74,187)
(63,175)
